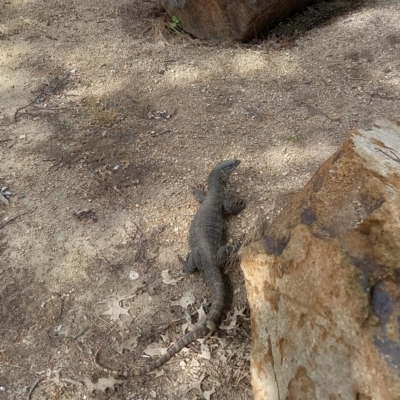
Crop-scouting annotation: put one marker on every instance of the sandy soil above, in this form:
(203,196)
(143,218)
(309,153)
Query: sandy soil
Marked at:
(80,87)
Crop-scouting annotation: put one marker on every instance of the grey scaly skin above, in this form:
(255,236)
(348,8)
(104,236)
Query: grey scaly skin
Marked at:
(208,253)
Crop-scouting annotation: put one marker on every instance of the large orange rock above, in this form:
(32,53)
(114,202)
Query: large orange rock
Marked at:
(323,281)
(239,20)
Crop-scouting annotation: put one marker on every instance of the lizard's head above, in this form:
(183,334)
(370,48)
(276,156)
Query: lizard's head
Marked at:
(222,170)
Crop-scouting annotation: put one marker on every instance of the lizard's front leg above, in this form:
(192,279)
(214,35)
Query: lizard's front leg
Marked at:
(234,207)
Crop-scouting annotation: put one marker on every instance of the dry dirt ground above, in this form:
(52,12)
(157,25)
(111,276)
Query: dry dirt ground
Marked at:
(103,108)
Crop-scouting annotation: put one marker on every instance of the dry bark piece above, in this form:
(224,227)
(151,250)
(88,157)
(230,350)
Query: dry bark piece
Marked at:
(324,281)
(239,20)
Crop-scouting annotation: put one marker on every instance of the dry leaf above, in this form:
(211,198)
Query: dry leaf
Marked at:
(202,314)
(196,385)
(153,394)
(53,374)
(224,343)
(116,310)
(194,363)
(165,338)
(102,385)
(205,352)
(186,300)
(207,394)
(167,278)
(238,312)
(154,349)
(184,327)
(128,344)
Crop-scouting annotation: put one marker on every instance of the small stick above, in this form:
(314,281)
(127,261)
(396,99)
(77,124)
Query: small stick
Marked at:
(112,187)
(22,108)
(34,387)
(49,108)
(384,97)
(58,162)
(80,333)
(351,77)
(139,230)
(102,319)
(72,381)
(16,217)
(161,133)
(315,109)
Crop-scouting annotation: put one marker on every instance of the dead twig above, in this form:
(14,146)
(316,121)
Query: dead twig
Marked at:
(255,112)
(23,108)
(161,133)
(175,322)
(108,323)
(109,263)
(58,163)
(111,187)
(389,98)
(72,381)
(16,217)
(353,78)
(49,108)
(80,333)
(139,230)
(34,387)
(315,109)
(239,375)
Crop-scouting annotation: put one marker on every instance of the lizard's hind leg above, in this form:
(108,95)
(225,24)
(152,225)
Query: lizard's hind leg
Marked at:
(234,206)
(192,262)
(223,254)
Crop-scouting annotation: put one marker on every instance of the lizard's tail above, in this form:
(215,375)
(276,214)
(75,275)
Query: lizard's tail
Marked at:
(201,329)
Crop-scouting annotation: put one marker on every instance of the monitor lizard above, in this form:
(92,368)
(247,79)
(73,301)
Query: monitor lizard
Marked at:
(208,253)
